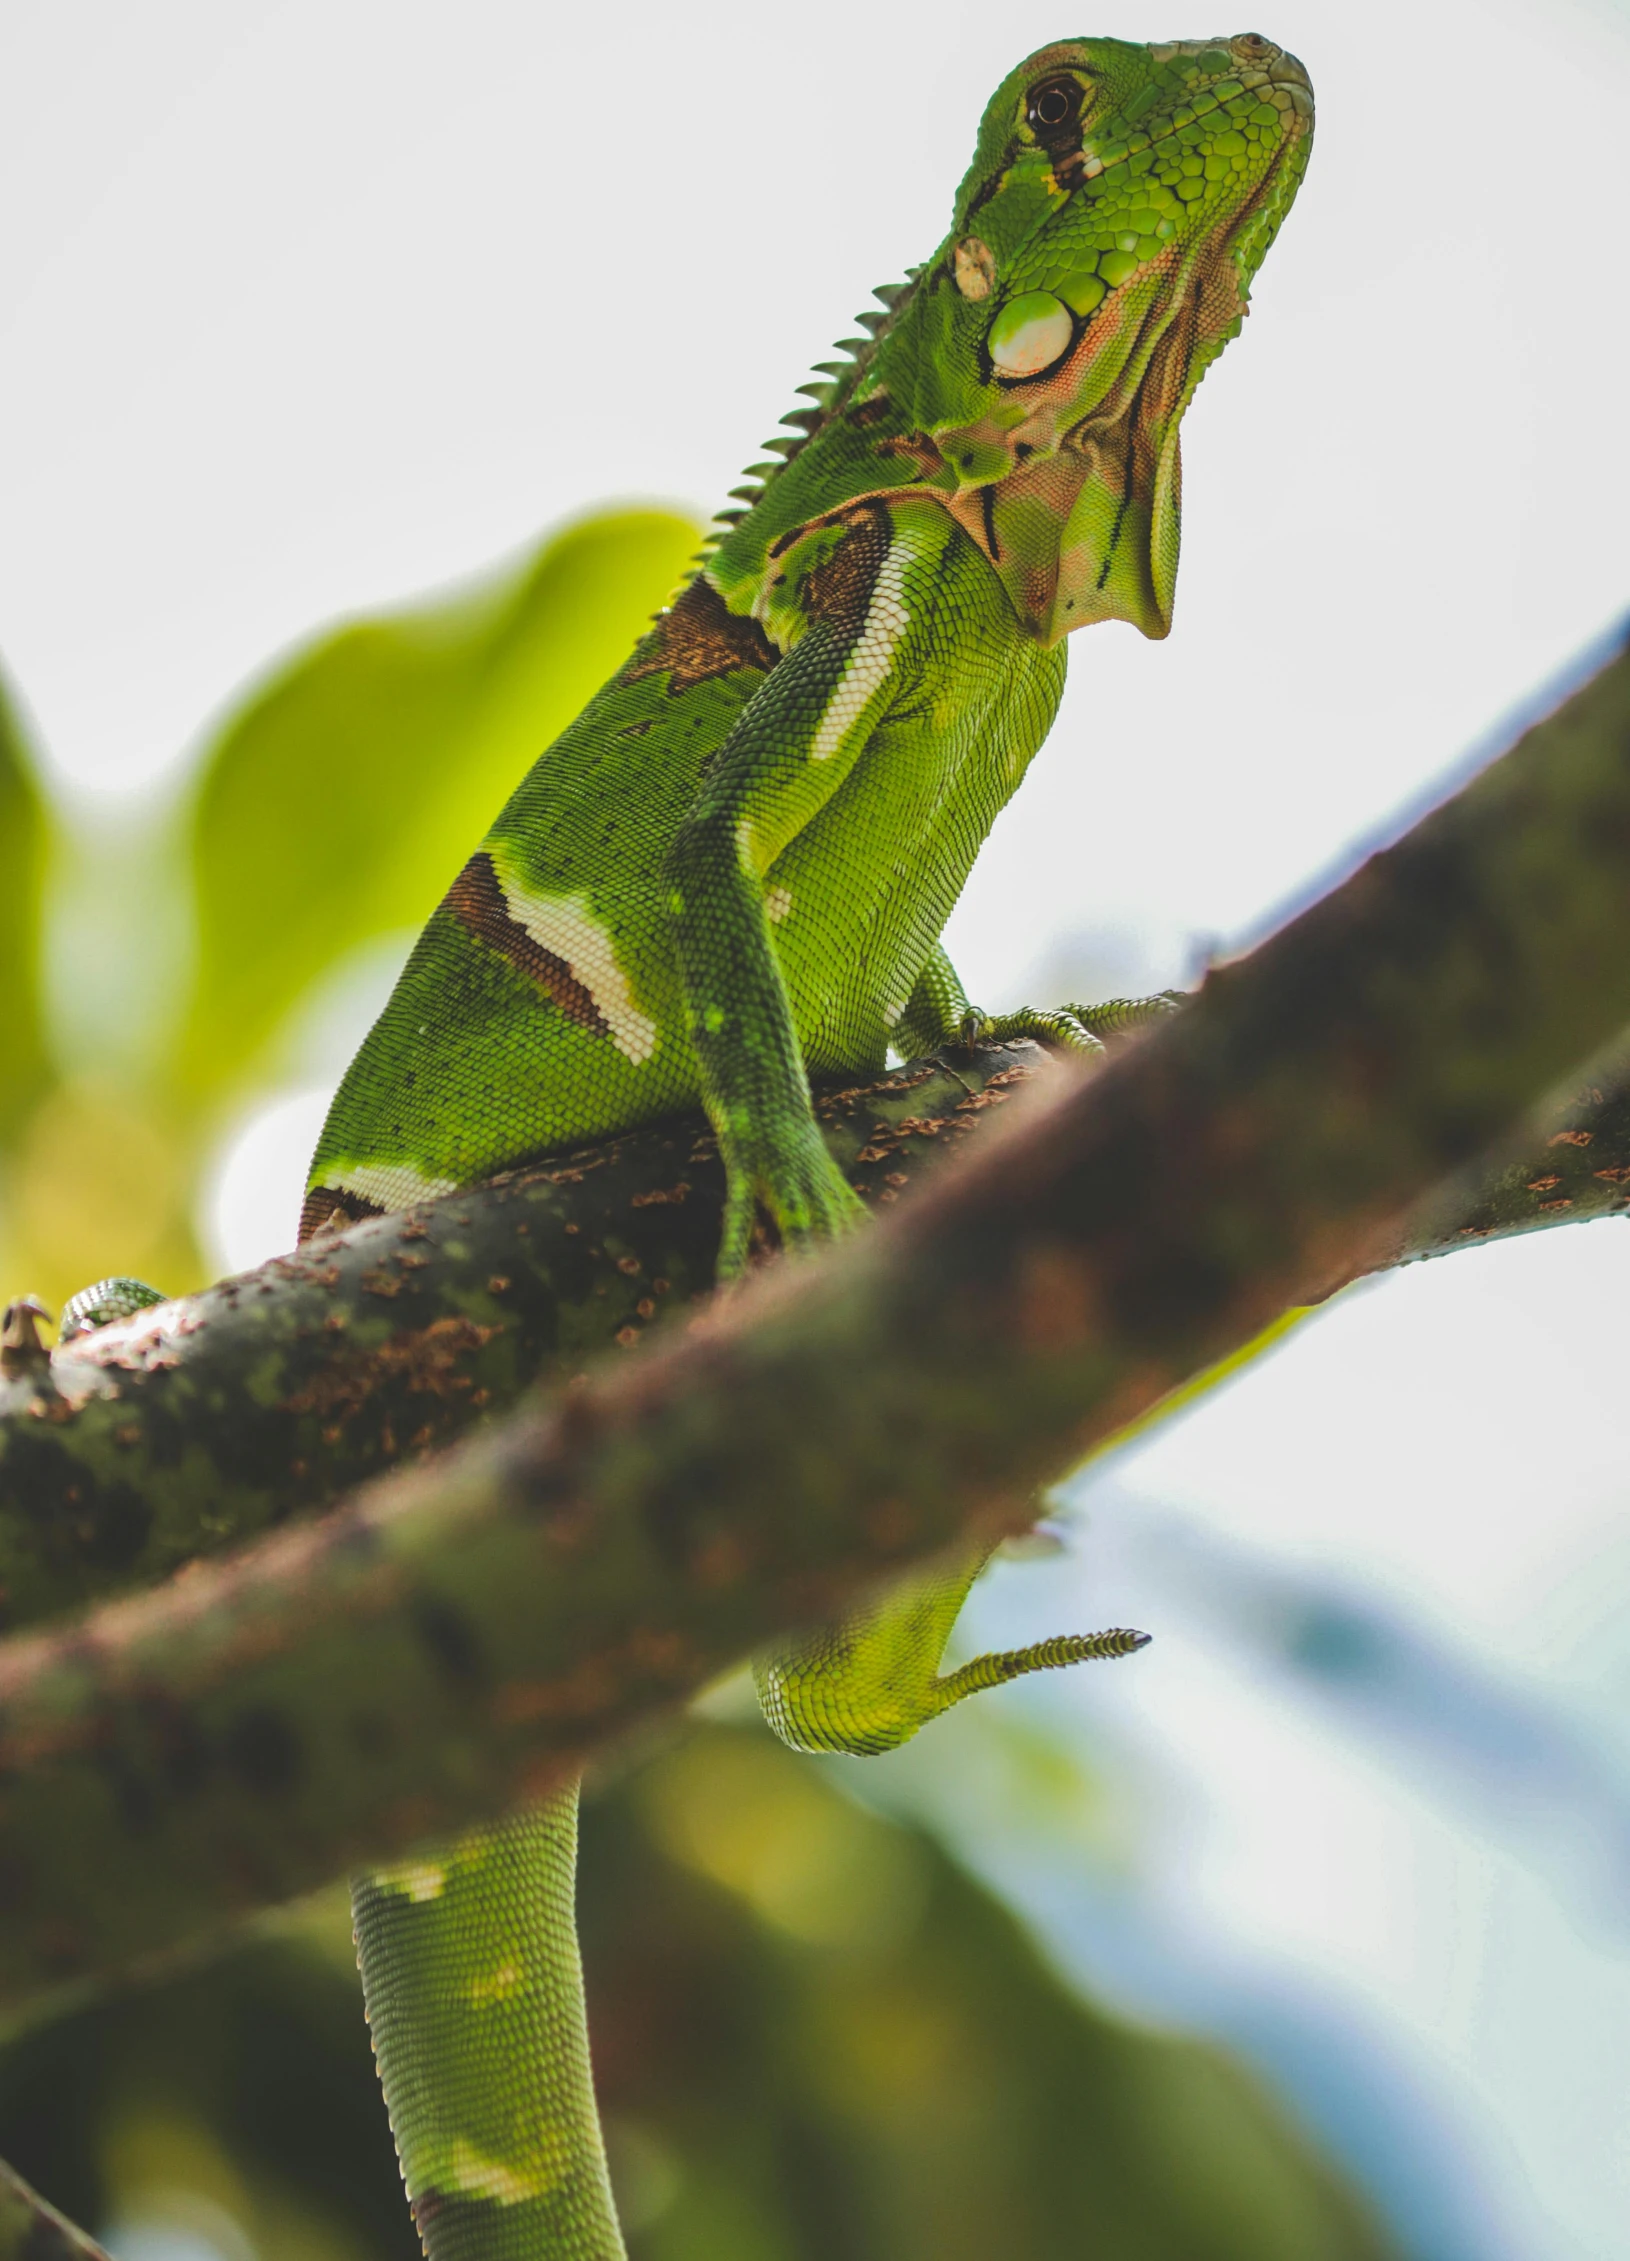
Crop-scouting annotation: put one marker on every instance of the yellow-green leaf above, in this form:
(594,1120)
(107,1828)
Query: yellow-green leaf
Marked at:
(24,1066)
(339,800)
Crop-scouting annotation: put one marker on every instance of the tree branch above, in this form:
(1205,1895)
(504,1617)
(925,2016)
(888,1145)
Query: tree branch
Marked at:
(33,2230)
(129,1453)
(466,1634)
(206,1421)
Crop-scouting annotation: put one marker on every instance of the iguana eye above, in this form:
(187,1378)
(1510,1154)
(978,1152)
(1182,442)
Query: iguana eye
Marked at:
(1054,107)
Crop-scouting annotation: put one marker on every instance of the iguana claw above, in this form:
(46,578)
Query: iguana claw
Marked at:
(804,1196)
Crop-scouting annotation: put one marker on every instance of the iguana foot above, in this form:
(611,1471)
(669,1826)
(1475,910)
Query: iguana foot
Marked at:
(99,1306)
(1127,1016)
(815,1699)
(867,1682)
(1002,1665)
(802,1193)
(1073,1028)
(1061,1028)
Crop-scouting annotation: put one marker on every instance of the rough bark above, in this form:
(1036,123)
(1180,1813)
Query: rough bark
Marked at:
(204,1422)
(466,1634)
(127,1454)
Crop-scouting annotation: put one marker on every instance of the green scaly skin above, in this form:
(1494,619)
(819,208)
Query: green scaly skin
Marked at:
(733,870)
(474,1994)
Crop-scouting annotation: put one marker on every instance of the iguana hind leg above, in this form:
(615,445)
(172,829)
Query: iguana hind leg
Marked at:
(867,1683)
(1074,1028)
(938,1013)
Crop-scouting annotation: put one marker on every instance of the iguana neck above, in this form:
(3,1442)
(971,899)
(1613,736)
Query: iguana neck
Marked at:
(1068,528)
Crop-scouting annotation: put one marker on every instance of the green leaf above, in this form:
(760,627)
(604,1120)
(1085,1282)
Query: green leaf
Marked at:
(337,803)
(24,841)
(840,2043)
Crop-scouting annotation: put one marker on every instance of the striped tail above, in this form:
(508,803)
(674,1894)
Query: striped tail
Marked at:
(474,1992)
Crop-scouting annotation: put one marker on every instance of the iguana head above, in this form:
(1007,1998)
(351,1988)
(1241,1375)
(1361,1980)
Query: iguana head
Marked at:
(1120,200)
(1035,372)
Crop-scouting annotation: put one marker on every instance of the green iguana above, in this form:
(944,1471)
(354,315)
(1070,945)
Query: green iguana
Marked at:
(732,872)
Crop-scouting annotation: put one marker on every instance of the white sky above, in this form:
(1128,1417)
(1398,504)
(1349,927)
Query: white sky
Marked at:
(307,307)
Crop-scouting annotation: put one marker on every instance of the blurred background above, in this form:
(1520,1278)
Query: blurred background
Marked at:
(1306,1933)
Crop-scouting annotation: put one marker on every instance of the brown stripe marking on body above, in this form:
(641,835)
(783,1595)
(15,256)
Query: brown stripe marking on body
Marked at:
(699,638)
(476,900)
(838,591)
(330,1208)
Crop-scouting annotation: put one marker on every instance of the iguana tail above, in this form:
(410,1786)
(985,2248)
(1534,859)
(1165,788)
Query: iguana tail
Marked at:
(474,1991)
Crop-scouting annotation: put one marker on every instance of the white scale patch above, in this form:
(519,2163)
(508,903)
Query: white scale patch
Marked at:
(868,668)
(499,1985)
(478,2174)
(419,1880)
(777,903)
(564,926)
(393,1185)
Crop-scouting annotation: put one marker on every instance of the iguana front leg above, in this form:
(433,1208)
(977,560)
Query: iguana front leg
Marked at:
(791,751)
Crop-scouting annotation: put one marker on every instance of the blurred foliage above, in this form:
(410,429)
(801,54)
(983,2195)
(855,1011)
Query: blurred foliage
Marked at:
(100,1180)
(24,1067)
(336,805)
(816,2040)
(330,808)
